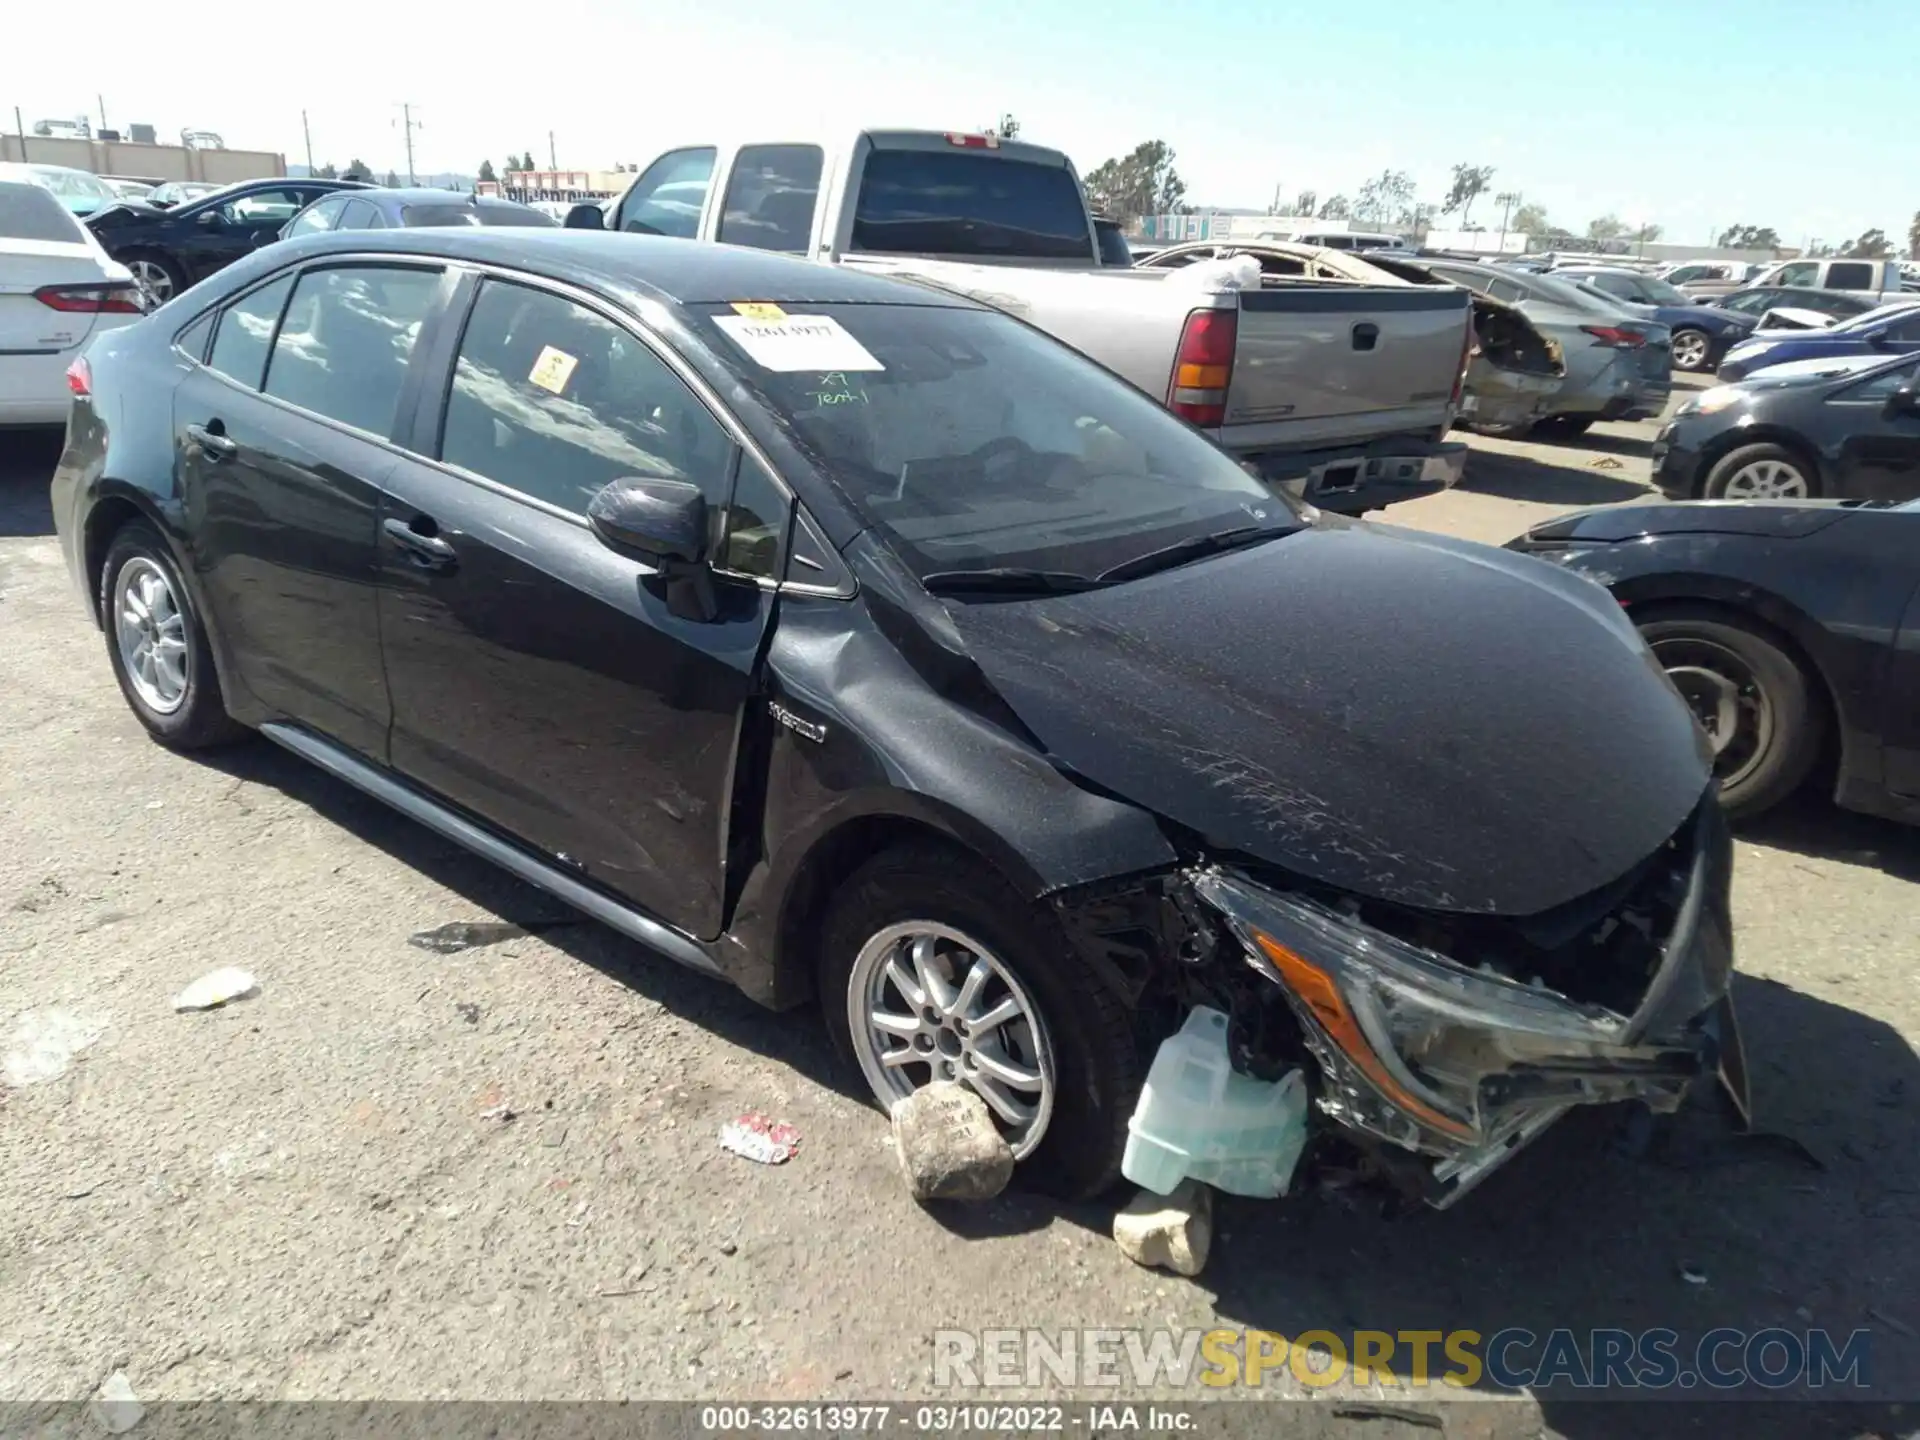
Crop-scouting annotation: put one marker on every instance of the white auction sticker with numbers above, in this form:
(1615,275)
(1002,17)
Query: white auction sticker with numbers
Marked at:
(797,342)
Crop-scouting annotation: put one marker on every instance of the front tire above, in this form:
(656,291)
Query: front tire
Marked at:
(157,646)
(933,966)
(160,277)
(1751,697)
(1692,350)
(1762,472)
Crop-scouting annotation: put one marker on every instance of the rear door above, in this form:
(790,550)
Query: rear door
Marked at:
(283,442)
(540,680)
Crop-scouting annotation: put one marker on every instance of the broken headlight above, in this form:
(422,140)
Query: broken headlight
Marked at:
(1449,1048)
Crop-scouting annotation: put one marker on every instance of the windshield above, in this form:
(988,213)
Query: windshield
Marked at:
(972,442)
(1659,292)
(70,184)
(29,212)
(1874,317)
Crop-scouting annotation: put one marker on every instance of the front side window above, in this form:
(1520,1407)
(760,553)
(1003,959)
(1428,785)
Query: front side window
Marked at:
(1877,389)
(263,207)
(246,330)
(1805,272)
(1686,274)
(555,401)
(957,201)
(1506,290)
(363,215)
(1906,329)
(972,442)
(770,197)
(668,198)
(315,218)
(343,348)
(1751,302)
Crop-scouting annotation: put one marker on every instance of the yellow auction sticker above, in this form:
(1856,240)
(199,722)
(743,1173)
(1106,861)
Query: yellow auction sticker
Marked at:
(759,310)
(552,370)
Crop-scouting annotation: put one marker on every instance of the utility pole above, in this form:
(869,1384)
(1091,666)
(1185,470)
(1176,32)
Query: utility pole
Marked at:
(103,110)
(1506,200)
(21,126)
(410,125)
(307,131)
(553,155)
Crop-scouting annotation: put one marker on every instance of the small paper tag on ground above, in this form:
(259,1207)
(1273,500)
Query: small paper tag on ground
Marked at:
(797,342)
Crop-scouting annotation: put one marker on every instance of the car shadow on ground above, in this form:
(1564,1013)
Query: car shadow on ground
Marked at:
(1637,446)
(27,459)
(1811,824)
(1521,477)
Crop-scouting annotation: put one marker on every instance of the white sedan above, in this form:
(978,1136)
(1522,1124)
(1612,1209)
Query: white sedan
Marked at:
(58,289)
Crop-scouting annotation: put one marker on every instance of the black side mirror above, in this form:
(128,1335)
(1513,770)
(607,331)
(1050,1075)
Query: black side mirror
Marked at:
(663,522)
(586,216)
(1904,401)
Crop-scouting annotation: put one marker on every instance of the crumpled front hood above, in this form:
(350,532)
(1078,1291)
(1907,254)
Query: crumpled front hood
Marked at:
(1401,716)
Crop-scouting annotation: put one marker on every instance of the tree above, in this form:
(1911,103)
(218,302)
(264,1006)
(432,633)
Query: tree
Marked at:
(1470,182)
(393,181)
(1305,201)
(1872,245)
(327,172)
(1142,183)
(1607,227)
(1748,237)
(526,161)
(1337,207)
(486,171)
(356,170)
(1386,198)
(1531,220)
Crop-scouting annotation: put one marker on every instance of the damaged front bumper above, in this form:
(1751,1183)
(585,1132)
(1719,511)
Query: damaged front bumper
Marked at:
(1463,1065)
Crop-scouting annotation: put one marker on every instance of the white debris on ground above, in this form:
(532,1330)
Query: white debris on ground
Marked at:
(1173,1231)
(116,1409)
(756,1138)
(948,1146)
(213,990)
(44,1043)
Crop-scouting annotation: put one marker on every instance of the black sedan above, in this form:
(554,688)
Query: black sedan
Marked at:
(168,250)
(840,637)
(1792,628)
(1847,428)
(416,208)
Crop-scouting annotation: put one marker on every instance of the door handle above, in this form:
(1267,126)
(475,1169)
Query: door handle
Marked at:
(213,441)
(429,552)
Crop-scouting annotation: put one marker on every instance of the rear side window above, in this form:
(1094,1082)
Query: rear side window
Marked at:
(1855,275)
(343,349)
(969,202)
(362,216)
(770,197)
(1906,328)
(555,401)
(28,212)
(246,330)
(1506,290)
(319,216)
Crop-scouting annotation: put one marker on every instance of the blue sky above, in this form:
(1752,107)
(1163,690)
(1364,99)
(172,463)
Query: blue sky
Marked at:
(1577,105)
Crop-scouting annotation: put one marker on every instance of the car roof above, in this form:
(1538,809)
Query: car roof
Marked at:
(683,272)
(429,195)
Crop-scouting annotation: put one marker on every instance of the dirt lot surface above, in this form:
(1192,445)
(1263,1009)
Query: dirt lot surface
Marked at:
(315,1193)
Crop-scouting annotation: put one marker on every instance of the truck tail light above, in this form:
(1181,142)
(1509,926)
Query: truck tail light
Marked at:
(973,142)
(1203,367)
(80,377)
(1615,338)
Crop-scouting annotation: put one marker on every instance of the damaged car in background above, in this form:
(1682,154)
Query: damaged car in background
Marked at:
(848,639)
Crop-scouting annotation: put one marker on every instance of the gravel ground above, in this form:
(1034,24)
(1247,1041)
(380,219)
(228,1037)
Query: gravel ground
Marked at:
(316,1193)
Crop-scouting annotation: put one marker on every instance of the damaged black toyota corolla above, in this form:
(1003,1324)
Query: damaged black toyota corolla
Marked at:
(843,638)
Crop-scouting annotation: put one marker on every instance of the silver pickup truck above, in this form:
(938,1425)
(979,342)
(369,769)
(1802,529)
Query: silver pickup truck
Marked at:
(1340,392)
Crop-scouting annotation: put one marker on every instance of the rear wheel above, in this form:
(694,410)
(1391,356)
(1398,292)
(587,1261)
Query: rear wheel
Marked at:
(1691,350)
(1762,472)
(158,647)
(1751,697)
(933,967)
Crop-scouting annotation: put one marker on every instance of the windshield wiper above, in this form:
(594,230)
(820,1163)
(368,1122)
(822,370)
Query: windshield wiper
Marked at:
(1193,547)
(1008,580)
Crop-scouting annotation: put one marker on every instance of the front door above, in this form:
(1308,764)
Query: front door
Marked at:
(217,234)
(539,679)
(1901,739)
(282,445)
(1879,454)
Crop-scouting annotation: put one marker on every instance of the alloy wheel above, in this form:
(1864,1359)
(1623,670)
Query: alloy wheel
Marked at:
(1767,480)
(926,1002)
(1726,697)
(151,631)
(153,279)
(1689,350)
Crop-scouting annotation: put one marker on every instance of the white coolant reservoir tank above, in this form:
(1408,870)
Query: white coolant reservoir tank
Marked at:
(1198,1118)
